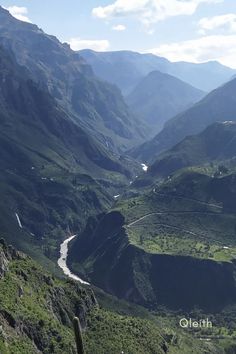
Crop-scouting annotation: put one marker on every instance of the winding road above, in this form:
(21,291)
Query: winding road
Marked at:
(176,227)
(62,261)
(168,213)
(189,199)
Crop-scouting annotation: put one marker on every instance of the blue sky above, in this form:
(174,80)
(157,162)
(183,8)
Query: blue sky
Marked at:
(191,30)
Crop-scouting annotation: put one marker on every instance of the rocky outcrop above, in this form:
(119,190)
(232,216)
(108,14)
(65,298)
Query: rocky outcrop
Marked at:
(7,253)
(3,264)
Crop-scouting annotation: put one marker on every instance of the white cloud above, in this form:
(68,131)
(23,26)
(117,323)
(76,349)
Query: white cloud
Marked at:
(119,28)
(97,45)
(218,47)
(227,22)
(149,11)
(19,12)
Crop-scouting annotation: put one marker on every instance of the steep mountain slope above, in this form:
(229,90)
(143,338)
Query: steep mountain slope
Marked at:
(172,246)
(37,309)
(159,97)
(217,106)
(215,144)
(126,69)
(52,173)
(97,106)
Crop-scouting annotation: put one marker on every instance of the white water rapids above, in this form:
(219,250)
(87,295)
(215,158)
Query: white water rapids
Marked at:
(63,258)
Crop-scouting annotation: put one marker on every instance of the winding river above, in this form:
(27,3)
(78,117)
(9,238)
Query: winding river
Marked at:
(62,261)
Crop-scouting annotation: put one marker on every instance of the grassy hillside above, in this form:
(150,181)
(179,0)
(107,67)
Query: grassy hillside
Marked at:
(162,246)
(37,309)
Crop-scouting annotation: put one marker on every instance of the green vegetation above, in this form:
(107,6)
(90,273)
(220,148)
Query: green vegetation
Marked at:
(175,238)
(184,216)
(212,151)
(37,311)
(217,106)
(53,183)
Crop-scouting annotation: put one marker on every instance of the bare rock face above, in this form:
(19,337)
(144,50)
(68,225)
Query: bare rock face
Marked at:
(3,264)
(7,254)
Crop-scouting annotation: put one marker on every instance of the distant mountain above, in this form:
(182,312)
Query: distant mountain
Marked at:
(126,69)
(159,97)
(217,106)
(98,107)
(216,143)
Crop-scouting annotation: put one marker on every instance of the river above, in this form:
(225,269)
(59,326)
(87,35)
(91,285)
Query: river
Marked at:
(63,259)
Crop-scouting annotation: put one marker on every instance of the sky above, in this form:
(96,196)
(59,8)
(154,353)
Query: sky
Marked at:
(189,30)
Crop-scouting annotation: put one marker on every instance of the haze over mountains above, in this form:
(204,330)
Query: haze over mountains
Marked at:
(71,81)
(146,238)
(159,97)
(127,68)
(217,106)
(215,144)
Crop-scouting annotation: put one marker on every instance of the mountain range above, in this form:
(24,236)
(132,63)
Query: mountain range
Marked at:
(155,243)
(96,106)
(217,106)
(216,143)
(126,69)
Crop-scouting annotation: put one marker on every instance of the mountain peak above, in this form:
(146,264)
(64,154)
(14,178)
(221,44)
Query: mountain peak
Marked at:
(4,11)
(160,96)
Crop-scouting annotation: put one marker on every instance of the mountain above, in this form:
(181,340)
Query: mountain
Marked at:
(161,247)
(217,106)
(97,106)
(159,97)
(53,174)
(126,69)
(37,311)
(215,144)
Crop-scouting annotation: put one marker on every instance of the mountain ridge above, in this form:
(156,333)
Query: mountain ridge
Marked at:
(97,106)
(218,106)
(159,97)
(127,68)
(216,143)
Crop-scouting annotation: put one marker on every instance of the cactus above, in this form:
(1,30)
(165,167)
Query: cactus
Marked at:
(78,336)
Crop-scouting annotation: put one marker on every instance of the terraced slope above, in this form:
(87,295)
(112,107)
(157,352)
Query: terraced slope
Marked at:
(162,247)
